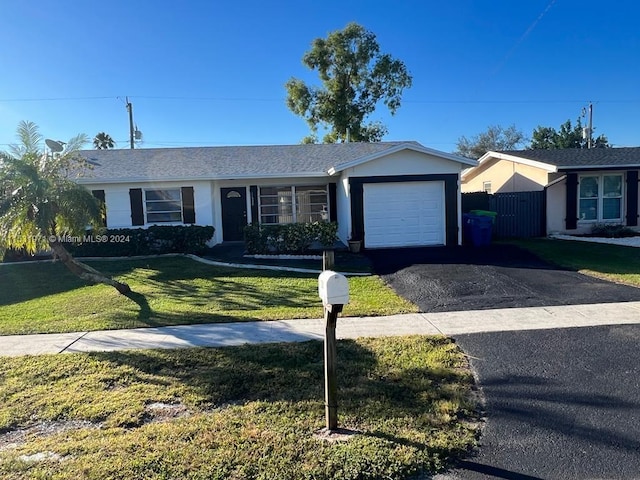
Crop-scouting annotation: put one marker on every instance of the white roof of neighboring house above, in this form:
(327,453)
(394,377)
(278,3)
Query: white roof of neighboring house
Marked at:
(269,161)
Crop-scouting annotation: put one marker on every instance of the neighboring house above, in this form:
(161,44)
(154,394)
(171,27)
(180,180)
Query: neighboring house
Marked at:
(387,194)
(583,186)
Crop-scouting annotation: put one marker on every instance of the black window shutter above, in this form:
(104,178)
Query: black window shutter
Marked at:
(571,221)
(188,205)
(137,212)
(253,191)
(632,198)
(333,210)
(99,194)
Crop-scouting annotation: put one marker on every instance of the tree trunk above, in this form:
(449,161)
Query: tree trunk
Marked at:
(85,272)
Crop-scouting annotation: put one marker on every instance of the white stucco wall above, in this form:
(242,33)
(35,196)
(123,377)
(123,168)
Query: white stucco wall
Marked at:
(119,207)
(405,162)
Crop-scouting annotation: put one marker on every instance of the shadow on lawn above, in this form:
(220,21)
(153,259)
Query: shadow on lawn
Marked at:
(22,282)
(369,391)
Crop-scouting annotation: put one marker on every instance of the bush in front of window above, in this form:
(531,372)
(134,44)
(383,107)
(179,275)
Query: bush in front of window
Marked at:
(155,240)
(610,230)
(294,238)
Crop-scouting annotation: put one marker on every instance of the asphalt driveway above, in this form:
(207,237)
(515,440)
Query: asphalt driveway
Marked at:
(442,279)
(560,404)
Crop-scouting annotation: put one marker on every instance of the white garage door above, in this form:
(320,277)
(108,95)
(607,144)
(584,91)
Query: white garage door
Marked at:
(404,214)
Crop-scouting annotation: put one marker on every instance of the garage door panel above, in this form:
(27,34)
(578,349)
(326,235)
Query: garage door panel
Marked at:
(404,214)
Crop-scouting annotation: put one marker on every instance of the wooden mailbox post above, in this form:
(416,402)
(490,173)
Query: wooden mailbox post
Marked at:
(333,289)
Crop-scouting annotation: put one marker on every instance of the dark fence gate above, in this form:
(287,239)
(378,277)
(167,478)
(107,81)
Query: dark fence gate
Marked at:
(520,214)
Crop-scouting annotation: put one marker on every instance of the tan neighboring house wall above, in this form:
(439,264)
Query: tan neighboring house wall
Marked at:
(505,176)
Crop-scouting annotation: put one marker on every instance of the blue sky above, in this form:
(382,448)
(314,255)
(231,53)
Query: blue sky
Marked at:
(213,72)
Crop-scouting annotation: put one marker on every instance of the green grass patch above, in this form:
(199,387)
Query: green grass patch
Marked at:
(610,262)
(245,412)
(46,298)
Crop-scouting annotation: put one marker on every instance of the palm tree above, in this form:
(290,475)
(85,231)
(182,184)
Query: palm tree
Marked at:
(103,141)
(40,204)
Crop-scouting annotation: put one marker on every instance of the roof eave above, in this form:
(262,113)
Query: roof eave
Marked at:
(597,167)
(94,180)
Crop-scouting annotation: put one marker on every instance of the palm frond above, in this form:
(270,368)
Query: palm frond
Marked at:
(29,138)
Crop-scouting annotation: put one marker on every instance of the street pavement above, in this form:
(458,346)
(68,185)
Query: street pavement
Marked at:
(560,404)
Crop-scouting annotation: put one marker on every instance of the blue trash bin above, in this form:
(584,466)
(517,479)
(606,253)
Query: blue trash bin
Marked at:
(477,229)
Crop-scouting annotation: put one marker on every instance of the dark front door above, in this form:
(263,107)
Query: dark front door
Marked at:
(234,213)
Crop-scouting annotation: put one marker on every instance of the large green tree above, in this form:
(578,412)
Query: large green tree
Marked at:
(494,138)
(568,136)
(41,205)
(355,78)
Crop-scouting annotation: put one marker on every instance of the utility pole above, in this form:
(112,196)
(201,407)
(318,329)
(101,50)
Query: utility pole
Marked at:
(130,110)
(587,132)
(590,138)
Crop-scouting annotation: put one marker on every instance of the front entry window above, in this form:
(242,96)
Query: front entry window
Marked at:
(301,204)
(600,198)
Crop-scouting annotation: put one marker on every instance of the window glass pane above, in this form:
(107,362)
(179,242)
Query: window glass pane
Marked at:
(269,200)
(311,204)
(268,191)
(162,194)
(164,206)
(164,217)
(612,186)
(589,209)
(588,187)
(611,208)
(276,205)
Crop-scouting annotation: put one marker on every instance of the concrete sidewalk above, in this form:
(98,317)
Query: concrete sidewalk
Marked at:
(226,334)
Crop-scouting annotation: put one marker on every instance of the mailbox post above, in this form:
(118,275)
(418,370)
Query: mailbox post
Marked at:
(333,289)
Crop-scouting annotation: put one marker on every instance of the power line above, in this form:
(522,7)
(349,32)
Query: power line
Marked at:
(250,99)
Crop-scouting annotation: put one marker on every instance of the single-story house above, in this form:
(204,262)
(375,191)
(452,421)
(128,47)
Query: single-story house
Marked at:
(387,194)
(583,186)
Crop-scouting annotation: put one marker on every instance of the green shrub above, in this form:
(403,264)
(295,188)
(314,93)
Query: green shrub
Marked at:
(289,238)
(157,239)
(610,230)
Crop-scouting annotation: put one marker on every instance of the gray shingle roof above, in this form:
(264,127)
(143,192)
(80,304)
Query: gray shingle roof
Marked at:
(571,158)
(227,162)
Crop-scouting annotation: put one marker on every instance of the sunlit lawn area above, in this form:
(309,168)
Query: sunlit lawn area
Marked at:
(45,297)
(245,412)
(610,262)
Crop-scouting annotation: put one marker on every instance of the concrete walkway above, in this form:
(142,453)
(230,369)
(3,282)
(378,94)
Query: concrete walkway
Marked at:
(226,334)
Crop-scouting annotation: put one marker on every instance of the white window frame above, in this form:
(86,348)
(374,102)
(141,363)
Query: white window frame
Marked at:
(164,222)
(293,205)
(486,186)
(600,198)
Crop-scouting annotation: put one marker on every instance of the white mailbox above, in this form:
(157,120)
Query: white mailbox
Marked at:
(333,288)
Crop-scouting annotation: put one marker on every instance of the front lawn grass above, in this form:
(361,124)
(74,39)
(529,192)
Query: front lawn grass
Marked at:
(246,412)
(46,298)
(615,263)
